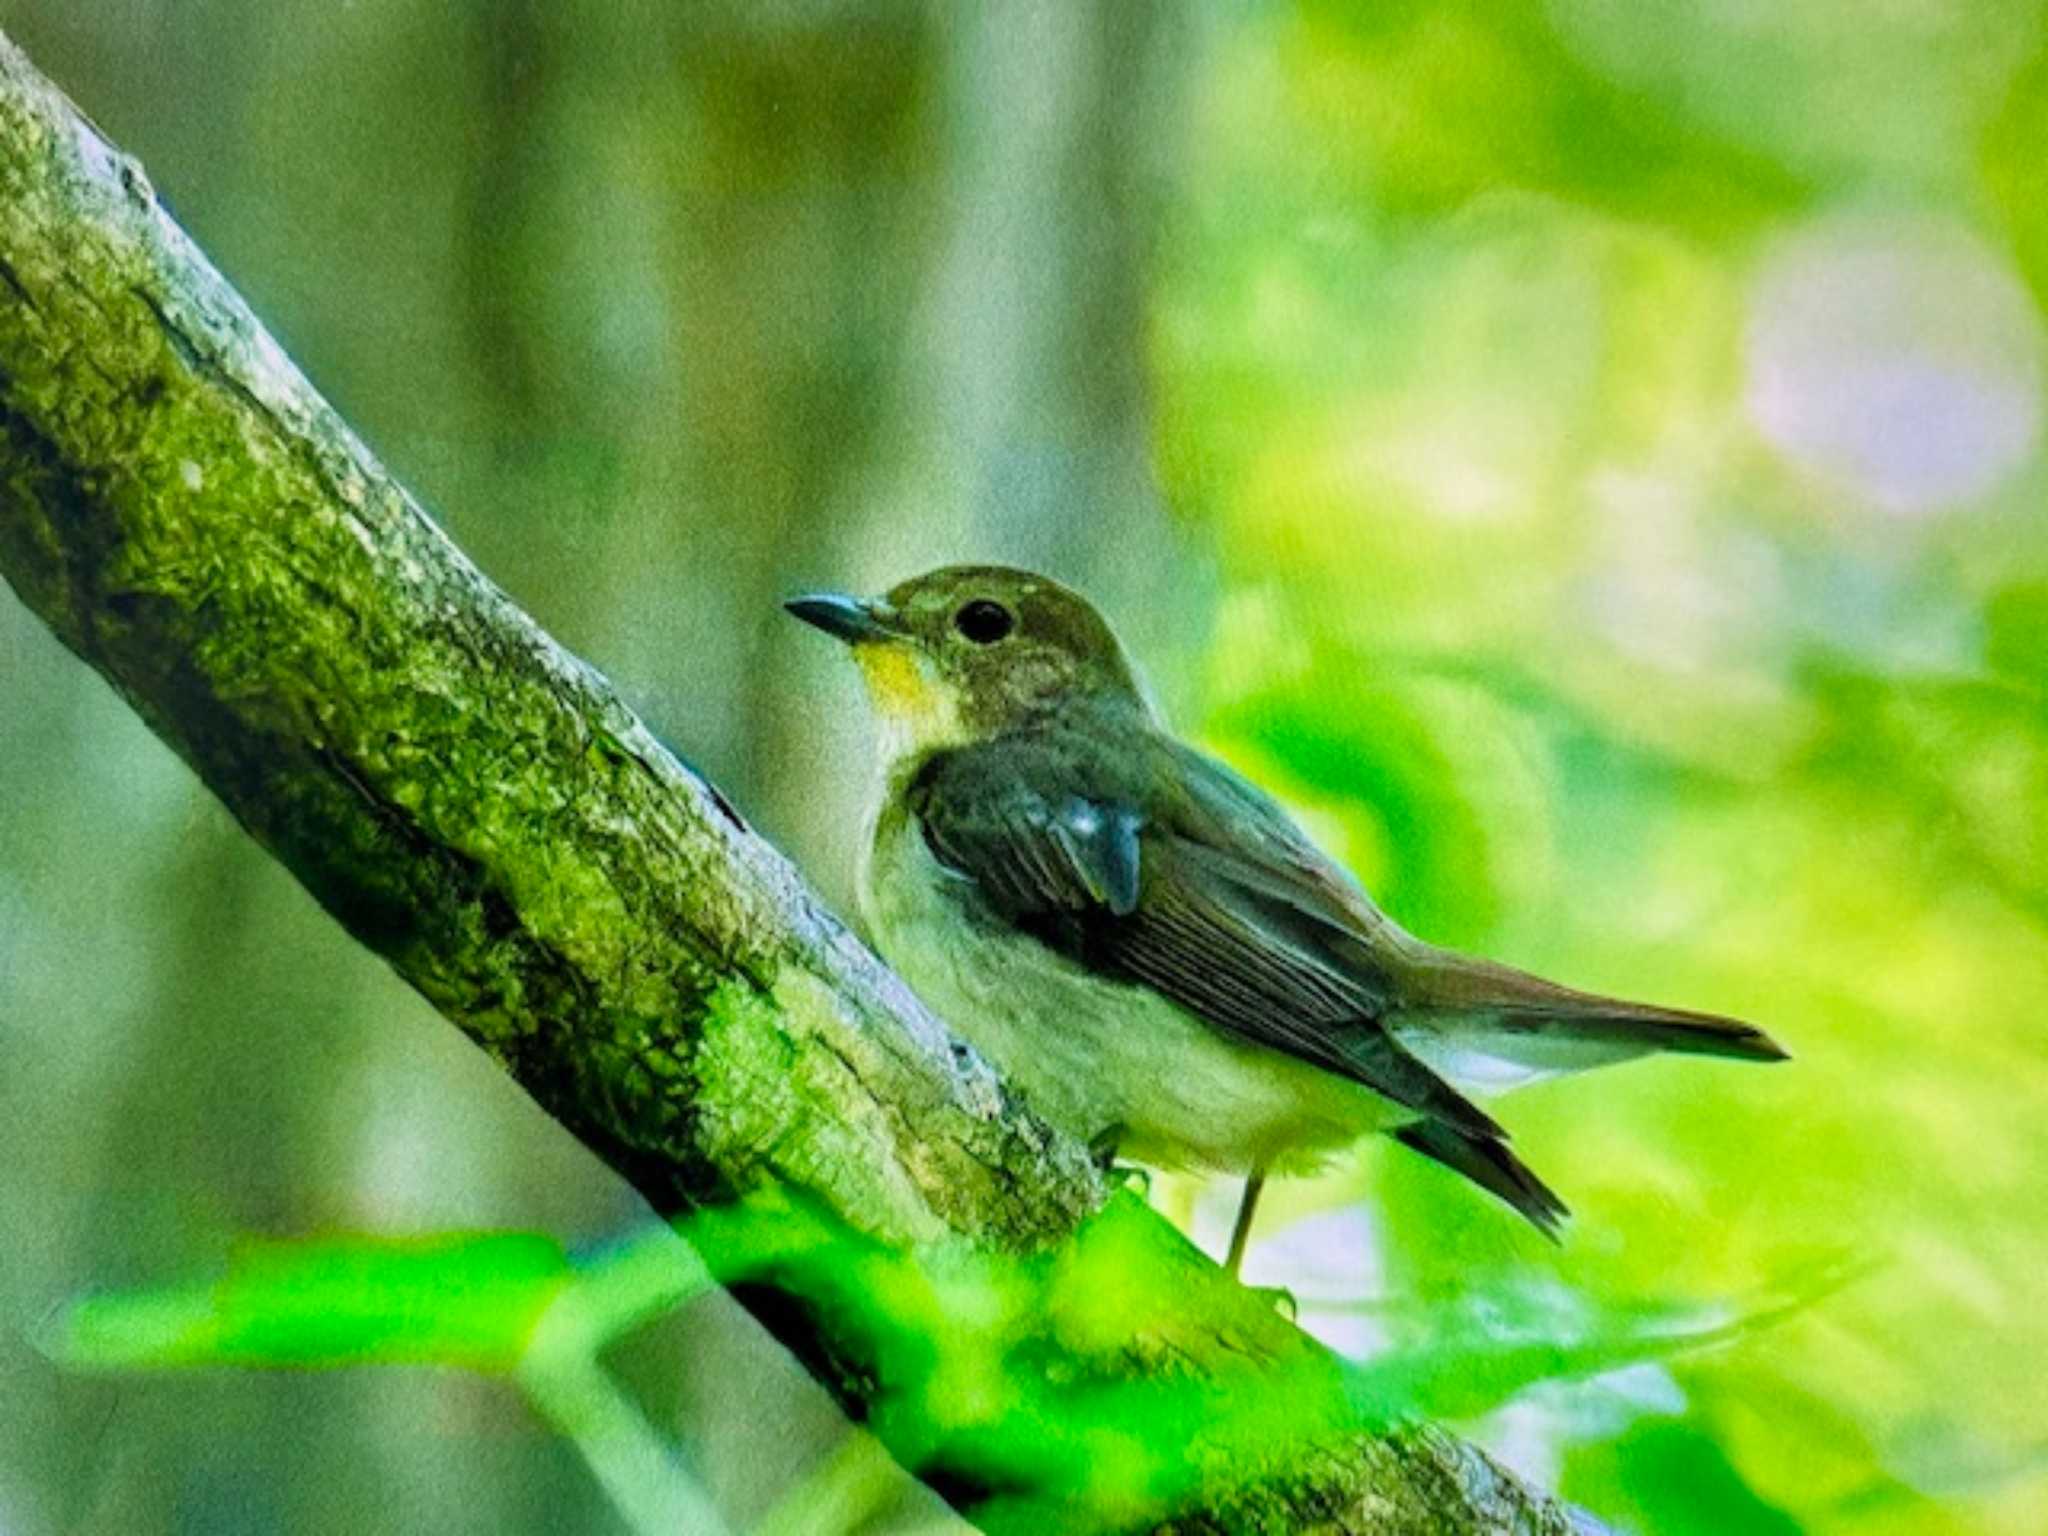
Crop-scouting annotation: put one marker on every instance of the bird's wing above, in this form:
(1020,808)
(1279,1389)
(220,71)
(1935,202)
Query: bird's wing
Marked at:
(1154,865)
(1472,1018)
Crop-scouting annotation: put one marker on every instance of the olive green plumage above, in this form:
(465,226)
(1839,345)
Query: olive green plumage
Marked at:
(1146,943)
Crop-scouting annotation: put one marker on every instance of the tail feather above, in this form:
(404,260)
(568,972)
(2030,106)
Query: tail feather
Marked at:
(1666,1029)
(1487,1162)
(1483,1025)
(1471,1010)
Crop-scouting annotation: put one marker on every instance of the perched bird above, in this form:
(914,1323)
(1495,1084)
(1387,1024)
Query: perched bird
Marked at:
(1146,944)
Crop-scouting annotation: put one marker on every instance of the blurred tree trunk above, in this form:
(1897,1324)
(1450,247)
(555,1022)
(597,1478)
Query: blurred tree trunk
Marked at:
(479,807)
(1012,423)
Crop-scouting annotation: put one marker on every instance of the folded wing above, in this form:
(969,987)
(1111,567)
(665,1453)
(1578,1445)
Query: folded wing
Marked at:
(1178,876)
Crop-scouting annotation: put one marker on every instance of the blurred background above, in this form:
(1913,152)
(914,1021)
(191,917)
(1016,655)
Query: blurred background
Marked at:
(1585,456)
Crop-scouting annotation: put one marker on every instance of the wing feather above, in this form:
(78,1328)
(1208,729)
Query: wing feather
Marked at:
(1208,896)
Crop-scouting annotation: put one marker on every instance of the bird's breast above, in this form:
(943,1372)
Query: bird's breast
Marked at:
(1092,1054)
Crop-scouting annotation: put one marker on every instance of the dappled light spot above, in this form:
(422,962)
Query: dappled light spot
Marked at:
(1900,359)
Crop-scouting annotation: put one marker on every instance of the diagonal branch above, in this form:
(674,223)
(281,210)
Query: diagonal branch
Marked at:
(478,807)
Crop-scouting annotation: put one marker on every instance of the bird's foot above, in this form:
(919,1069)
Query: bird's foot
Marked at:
(1102,1146)
(1123,1175)
(1131,1176)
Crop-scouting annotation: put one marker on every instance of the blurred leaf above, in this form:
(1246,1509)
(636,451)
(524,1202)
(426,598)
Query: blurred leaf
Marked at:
(2014,171)
(2017,617)
(1441,101)
(461,1298)
(1675,1480)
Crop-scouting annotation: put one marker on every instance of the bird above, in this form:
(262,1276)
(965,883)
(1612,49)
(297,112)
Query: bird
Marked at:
(1147,945)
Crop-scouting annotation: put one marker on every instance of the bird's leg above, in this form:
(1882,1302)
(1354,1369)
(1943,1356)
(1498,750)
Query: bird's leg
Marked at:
(1103,1149)
(1102,1146)
(1241,1233)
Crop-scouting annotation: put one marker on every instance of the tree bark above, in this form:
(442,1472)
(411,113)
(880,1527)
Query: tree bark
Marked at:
(478,807)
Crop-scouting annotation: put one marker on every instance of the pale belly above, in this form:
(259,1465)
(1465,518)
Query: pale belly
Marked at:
(1099,1059)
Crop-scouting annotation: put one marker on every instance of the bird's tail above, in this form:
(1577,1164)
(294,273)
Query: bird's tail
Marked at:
(1490,1026)
(1487,1162)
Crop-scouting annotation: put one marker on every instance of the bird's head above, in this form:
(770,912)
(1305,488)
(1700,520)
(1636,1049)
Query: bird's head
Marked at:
(968,652)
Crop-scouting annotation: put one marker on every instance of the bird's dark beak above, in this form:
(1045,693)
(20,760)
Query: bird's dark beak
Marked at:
(851,619)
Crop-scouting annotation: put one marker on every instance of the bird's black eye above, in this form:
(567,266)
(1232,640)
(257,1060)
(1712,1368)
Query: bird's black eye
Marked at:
(984,622)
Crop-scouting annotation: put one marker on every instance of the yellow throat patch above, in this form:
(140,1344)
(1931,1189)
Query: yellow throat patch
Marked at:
(917,707)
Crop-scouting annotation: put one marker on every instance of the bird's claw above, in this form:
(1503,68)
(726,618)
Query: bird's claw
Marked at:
(1128,1175)
(1132,1176)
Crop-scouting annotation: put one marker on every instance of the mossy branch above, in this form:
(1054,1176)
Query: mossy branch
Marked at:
(478,807)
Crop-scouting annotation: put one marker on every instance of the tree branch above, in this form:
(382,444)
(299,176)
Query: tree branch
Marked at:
(478,807)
